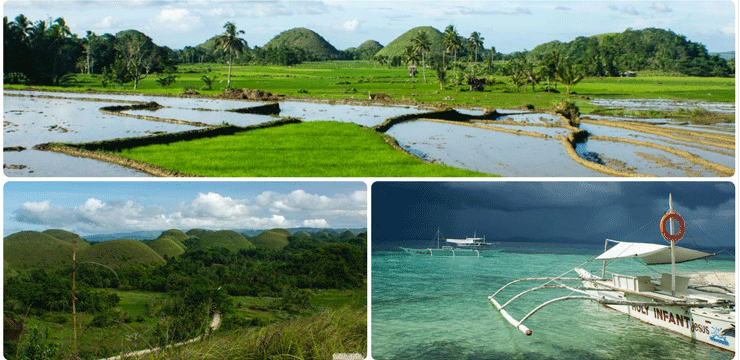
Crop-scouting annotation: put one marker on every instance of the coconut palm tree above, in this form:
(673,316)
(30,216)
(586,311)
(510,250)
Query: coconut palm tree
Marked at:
(569,73)
(421,44)
(475,43)
(452,41)
(230,42)
(410,57)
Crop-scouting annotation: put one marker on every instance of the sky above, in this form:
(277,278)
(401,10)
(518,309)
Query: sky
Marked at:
(507,25)
(88,208)
(583,211)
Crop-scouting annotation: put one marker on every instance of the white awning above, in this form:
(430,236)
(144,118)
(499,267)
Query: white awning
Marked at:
(651,254)
(465,241)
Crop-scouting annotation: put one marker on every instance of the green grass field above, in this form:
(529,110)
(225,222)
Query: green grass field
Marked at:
(355,79)
(310,149)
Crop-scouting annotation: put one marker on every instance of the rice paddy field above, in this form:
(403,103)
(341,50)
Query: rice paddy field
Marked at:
(649,125)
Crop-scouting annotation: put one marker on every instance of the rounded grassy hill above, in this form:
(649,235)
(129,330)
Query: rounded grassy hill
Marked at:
(166,246)
(69,237)
(275,239)
(27,249)
(118,253)
(315,46)
(225,238)
(397,46)
(177,236)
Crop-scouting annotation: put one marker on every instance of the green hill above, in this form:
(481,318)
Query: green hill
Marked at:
(177,236)
(315,46)
(275,239)
(397,46)
(224,238)
(302,235)
(117,253)
(346,235)
(27,249)
(635,50)
(366,50)
(69,237)
(165,245)
(198,232)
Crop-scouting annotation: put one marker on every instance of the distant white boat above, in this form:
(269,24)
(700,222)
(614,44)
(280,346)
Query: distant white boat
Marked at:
(705,313)
(469,247)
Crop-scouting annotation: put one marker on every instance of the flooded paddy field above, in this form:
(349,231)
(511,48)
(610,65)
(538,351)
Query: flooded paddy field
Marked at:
(487,150)
(664,105)
(516,143)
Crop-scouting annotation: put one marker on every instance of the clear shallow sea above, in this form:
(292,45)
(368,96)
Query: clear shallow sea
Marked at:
(437,308)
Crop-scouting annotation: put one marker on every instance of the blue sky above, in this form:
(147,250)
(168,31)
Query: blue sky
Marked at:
(509,26)
(107,207)
(582,211)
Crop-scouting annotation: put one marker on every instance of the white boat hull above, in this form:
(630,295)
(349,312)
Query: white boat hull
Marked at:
(713,326)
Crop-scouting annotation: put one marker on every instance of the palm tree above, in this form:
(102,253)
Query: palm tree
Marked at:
(410,56)
(475,43)
(421,45)
(229,41)
(447,40)
(569,73)
(452,41)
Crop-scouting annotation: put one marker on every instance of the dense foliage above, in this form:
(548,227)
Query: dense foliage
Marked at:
(196,284)
(37,53)
(635,50)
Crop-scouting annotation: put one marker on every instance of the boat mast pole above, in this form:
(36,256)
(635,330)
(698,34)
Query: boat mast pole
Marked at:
(603,268)
(673,257)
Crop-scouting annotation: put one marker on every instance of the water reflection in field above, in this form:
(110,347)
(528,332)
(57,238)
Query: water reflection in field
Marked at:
(40,117)
(487,150)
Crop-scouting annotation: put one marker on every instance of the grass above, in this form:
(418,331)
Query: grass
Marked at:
(316,336)
(97,342)
(310,149)
(347,79)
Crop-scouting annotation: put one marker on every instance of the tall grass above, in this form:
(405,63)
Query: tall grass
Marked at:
(309,337)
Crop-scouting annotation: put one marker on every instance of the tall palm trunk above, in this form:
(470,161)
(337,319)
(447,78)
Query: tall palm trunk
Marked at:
(228,83)
(423,67)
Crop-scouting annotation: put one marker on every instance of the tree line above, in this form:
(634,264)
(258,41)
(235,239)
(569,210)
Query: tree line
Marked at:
(47,53)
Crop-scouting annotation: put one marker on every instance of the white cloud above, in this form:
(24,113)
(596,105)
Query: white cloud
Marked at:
(262,10)
(316,223)
(206,210)
(105,23)
(729,29)
(661,7)
(221,12)
(176,19)
(351,25)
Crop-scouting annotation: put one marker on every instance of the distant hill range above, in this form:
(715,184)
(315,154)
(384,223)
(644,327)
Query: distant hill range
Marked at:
(727,55)
(53,248)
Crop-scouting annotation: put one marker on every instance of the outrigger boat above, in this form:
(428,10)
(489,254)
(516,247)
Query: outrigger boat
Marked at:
(475,247)
(703,312)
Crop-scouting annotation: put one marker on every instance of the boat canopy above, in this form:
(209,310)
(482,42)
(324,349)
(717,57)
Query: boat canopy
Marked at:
(465,241)
(651,254)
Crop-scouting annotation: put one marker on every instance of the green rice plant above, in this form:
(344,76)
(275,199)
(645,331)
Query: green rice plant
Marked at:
(326,149)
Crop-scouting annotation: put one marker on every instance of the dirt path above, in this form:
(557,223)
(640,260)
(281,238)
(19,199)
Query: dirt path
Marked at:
(215,324)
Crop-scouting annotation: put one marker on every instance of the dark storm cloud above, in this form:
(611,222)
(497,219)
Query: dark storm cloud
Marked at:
(577,210)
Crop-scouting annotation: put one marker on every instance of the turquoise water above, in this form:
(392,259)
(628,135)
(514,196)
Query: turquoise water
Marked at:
(437,308)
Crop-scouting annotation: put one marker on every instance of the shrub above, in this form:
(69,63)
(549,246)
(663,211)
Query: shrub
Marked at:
(569,110)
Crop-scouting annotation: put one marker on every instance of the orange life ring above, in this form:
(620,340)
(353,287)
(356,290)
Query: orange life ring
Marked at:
(681,226)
